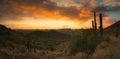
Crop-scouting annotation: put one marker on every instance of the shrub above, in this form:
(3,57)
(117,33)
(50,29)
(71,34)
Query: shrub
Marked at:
(86,42)
(4,55)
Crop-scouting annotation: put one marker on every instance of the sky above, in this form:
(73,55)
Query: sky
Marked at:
(57,14)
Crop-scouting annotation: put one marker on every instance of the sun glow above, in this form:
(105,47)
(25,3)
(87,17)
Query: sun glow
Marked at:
(32,23)
(38,23)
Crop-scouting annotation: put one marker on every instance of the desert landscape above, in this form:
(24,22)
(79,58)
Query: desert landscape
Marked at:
(59,29)
(60,44)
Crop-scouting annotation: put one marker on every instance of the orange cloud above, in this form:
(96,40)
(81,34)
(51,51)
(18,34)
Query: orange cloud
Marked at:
(86,13)
(81,17)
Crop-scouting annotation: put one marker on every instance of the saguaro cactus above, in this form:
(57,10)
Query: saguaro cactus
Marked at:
(101,24)
(95,24)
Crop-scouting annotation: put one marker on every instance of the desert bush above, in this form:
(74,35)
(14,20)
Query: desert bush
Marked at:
(86,42)
(4,55)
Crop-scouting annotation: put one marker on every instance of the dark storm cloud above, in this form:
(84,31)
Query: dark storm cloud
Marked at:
(115,8)
(117,0)
(10,8)
(7,7)
(107,8)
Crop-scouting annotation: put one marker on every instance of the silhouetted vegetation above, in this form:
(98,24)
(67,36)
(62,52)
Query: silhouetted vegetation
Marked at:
(101,25)
(94,22)
(4,55)
(22,44)
(86,42)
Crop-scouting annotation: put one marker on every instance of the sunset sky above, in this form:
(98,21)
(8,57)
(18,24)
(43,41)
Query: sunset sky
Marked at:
(57,14)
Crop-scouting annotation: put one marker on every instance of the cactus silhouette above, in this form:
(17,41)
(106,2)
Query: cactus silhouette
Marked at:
(95,24)
(101,24)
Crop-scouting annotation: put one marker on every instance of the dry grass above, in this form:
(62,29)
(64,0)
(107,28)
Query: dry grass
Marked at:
(107,49)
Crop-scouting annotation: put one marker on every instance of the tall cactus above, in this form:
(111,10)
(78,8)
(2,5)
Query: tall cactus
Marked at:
(101,24)
(95,24)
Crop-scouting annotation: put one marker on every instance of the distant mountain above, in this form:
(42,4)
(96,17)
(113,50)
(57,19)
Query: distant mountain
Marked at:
(71,31)
(9,37)
(49,34)
(2,27)
(5,30)
(113,29)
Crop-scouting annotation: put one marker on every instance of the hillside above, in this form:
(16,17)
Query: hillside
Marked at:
(18,43)
(58,44)
(109,49)
(4,30)
(9,37)
(114,29)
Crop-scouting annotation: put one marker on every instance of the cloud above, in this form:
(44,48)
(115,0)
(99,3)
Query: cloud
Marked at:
(111,2)
(80,10)
(40,9)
